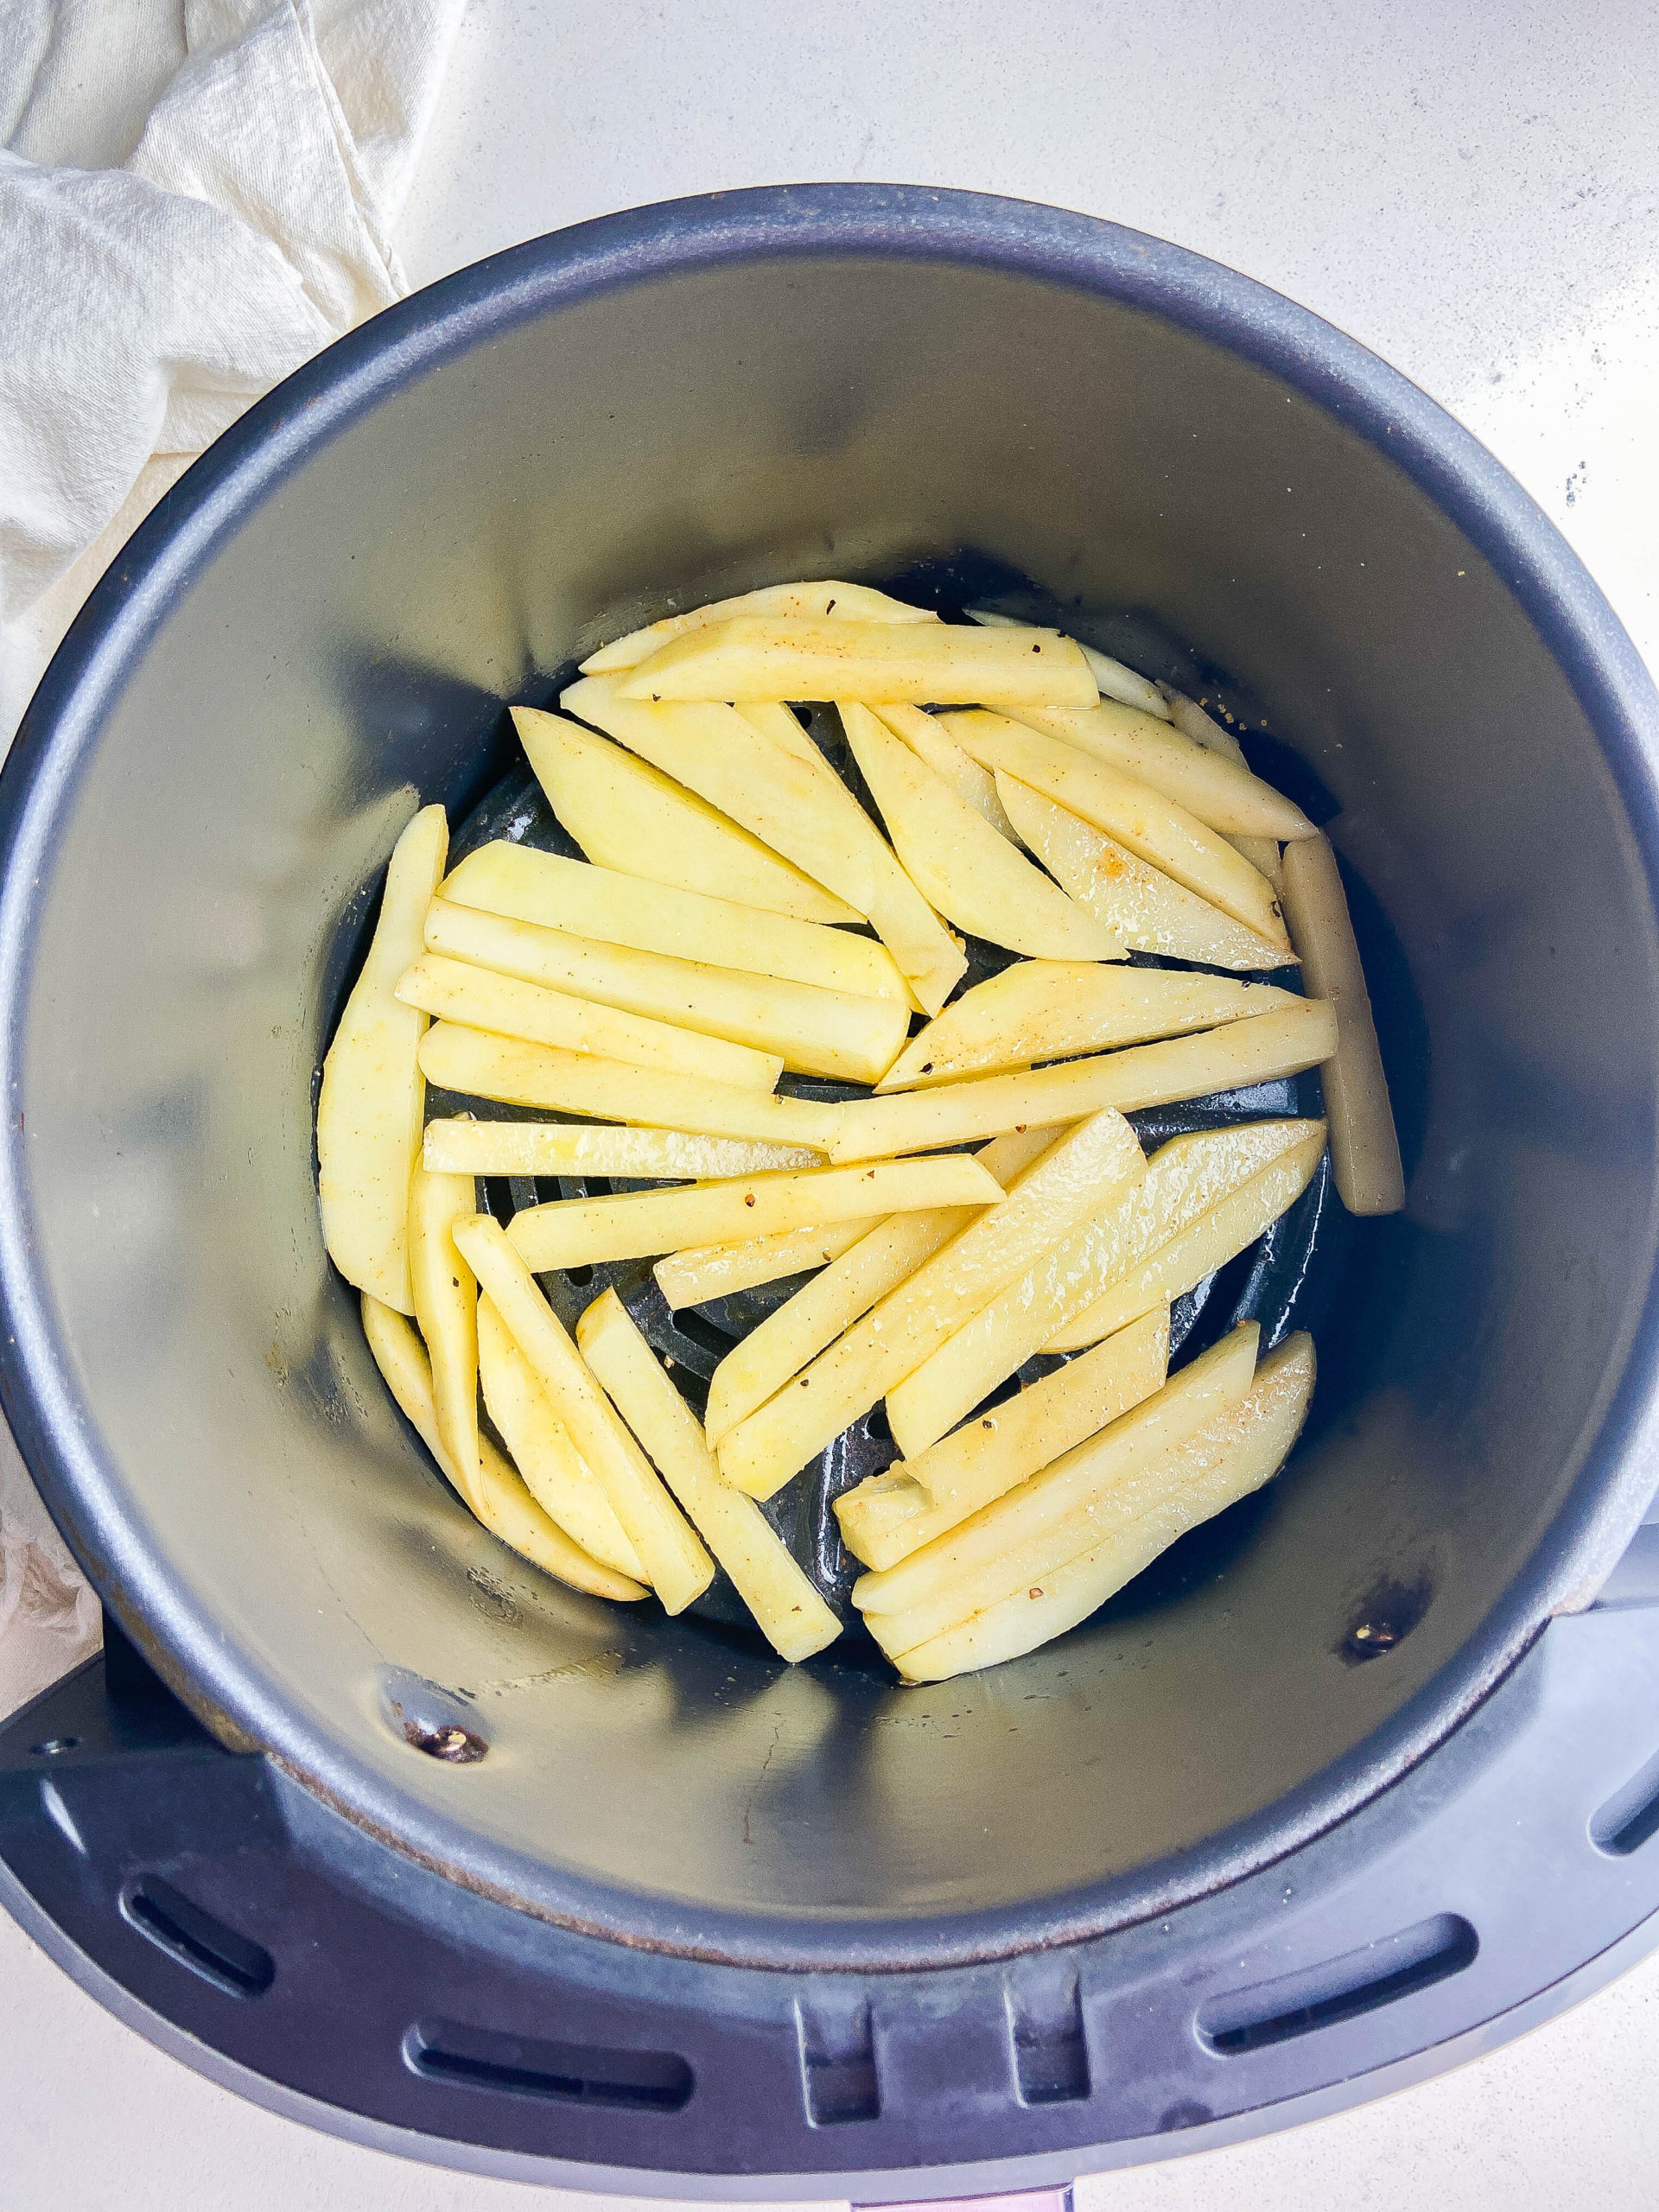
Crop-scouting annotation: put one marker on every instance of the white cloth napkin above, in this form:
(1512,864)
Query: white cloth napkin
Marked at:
(196,196)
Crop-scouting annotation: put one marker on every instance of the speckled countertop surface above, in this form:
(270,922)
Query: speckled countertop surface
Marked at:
(1474,192)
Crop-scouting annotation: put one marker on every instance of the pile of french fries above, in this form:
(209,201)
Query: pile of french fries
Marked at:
(981,1201)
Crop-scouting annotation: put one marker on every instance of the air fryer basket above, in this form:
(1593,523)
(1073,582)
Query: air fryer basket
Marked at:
(432,520)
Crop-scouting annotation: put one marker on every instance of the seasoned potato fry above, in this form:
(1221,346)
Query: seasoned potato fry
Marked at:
(1364,1149)
(1116,680)
(798,807)
(1264,856)
(1076,1177)
(555,1474)
(1151,911)
(761,1365)
(1242,1448)
(817,1032)
(369,1113)
(784,656)
(679,1568)
(485,999)
(445,1305)
(1214,789)
(469,1147)
(847,602)
(473,1061)
(706,1271)
(580,1232)
(1259,1049)
(1191,720)
(1161,833)
(1056,1515)
(1182,1261)
(504,1504)
(601,904)
(961,866)
(922,734)
(628,816)
(787,1608)
(888,1517)
(1052,1009)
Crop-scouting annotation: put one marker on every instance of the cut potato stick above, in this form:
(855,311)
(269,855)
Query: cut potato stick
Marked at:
(1075,1177)
(797,807)
(1263,856)
(1052,1009)
(847,602)
(1364,1149)
(610,908)
(1242,1448)
(1151,911)
(961,866)
(631,1226)
(1191,720)
(706,1271)
(888,1517)
(922,734)
(1182,1263)
(446,1307)
(1259,1049)
(675,1561)
(1056,1515)
(762,1363)
(627,815)
(817,1032)
(369,1111)
(473,1061)
(774,720)
(1214,789)
(784,656)
(1161,833)
(788,1610)
(555,1474)
(469,1147)
(504,1503)
(483,999)
(1116,680)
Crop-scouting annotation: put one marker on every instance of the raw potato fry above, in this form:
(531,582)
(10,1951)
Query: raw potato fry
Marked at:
(961,866)
(1074,1177)
(627,815)
(486,999)
(888,1517)
(1216,789)
(446,1307)
(504,1505)
(787,1608)
(1191,720)
(922,734)
(817,1033)
(706,1271)
(1259,1049)
(1263,856)
(1153,913)
(1183,1263)
(473,1061)
(774,720)
(1052,1009)
(758,1366)
(1364,1148)
(1116,680)
(1155,829)
(579,1232)
(1063,1510)
(797,807)
(676,1563)
(850,602)
(369,1112)
(469,1147)
(1231,1456)
(781,656)
(554,1473)
(557,893)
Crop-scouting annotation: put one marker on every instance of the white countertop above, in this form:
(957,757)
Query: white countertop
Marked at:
(1474,194)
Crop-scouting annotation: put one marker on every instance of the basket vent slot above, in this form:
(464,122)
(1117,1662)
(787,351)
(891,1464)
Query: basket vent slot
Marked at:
(1051,2053)
(195,1938)
(838,2061)
(1339,1989)
(1631,1815)
(524,2066)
